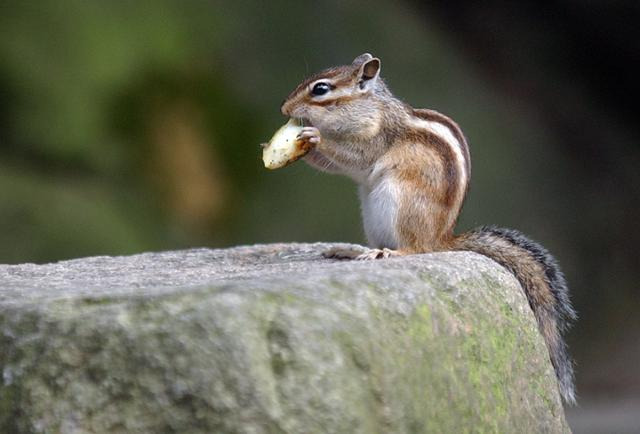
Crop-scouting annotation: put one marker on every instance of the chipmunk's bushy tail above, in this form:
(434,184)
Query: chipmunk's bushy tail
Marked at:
(543,284)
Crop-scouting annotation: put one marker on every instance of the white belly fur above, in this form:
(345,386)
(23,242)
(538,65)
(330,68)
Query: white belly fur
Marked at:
(379,211)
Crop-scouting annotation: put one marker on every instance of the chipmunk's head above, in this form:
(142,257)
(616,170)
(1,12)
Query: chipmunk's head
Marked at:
(340,100)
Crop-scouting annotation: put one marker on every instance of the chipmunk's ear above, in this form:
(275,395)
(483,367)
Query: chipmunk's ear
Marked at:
(361,59)
(368,72)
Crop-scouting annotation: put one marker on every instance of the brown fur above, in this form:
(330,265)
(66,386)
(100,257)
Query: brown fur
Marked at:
(423,211)
(432,115)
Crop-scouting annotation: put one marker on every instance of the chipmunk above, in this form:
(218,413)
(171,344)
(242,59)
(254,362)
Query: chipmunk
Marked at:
(412,167)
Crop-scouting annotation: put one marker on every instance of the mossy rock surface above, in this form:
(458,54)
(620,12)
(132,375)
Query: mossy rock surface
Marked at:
(271,339)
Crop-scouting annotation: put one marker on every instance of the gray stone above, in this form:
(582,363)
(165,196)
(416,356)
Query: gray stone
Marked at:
(270,339)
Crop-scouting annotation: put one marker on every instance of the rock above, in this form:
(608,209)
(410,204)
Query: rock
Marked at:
(268,339)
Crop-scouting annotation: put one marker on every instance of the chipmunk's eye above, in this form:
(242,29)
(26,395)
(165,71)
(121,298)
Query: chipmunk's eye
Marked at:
(320,88)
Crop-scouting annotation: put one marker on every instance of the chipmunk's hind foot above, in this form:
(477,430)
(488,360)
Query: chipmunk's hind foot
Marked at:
(360,254)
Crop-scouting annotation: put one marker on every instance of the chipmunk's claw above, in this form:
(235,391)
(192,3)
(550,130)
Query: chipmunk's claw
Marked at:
(310,134)
(360,254)
(377,254)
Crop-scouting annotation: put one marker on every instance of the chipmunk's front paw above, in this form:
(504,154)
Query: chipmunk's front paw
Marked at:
(310,135)
(360,254)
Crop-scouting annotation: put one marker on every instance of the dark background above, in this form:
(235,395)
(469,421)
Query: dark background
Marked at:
(134,126)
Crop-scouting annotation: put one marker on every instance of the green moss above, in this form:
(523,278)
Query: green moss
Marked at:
(9,397)
(420,327)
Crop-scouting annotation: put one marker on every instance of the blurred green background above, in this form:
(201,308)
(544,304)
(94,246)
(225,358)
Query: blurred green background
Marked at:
(134,126)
